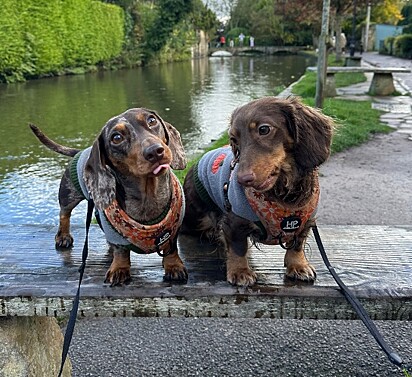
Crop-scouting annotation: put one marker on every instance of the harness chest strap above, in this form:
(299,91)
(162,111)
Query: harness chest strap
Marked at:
(280,223)
(150,238)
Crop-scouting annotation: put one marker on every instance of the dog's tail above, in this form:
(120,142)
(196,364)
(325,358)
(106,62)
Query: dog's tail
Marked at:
(67,151)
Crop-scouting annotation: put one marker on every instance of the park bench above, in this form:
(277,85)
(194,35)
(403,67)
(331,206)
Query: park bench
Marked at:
(382,81)
(38,284)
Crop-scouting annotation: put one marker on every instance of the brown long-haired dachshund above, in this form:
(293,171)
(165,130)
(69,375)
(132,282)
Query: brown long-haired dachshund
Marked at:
(264,186)
(139,201)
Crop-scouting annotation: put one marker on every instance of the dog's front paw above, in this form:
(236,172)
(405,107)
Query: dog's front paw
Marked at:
(118,276)
(63,240)
(176,273)
(242,276)
(174,268)
(304,272)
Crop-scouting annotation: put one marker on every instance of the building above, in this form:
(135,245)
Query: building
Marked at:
(378,33)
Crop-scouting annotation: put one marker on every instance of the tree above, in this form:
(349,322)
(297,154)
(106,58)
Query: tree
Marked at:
(323,56)
(386,11)
(341,10)
(406,22)
(223,8)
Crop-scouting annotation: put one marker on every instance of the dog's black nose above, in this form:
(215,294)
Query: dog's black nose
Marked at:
(246,179)
(154,153)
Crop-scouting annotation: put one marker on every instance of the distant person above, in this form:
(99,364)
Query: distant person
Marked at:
(231,43)
(241,39)
(343,42)
(222,41)
(252,41)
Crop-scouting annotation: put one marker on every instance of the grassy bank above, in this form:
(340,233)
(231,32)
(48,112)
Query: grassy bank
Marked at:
(356,120)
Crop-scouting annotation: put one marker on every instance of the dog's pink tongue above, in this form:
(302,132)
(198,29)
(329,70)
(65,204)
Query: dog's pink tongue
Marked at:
(160,167)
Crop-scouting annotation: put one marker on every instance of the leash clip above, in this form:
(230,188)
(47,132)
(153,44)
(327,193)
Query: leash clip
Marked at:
(283,245)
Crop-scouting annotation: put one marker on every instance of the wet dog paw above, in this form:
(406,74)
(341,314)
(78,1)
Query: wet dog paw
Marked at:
(176,273)
(304,272)
(241,277)
(63,241)
(118,276)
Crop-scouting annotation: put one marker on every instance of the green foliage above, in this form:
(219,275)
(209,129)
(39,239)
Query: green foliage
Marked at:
(178,46)
(273,22)
(387,47)
(162,30)
(42,37)
(170,13)
(203,18)
(406,13)
(402,46)
(14,62)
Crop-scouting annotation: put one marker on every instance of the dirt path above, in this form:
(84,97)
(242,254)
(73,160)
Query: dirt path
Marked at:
(369,184)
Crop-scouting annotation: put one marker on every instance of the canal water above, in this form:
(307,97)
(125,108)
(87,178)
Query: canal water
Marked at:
(197,97)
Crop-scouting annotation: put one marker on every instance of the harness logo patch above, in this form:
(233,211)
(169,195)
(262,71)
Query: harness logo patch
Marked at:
(290,224)
(163,238)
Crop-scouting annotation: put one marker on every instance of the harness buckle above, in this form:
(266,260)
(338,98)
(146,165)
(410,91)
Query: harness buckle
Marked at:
(283,245)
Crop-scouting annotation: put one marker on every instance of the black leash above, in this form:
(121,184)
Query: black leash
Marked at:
(73,314)
(393,357)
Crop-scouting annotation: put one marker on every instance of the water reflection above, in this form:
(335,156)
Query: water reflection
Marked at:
(197,97)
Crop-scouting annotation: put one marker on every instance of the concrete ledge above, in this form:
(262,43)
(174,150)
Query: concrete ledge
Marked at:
(375,261)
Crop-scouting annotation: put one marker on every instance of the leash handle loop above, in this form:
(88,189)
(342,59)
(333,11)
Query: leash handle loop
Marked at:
(393,357)
(73,313)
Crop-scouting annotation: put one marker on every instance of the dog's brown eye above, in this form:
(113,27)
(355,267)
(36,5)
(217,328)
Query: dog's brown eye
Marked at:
(117,138)
(233,141)
(264,129)
(151,121)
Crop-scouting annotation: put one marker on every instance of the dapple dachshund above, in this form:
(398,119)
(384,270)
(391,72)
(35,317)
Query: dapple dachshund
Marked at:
(264,186)
(139,201)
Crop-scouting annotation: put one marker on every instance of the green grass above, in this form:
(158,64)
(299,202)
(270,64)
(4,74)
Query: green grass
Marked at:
(307,86)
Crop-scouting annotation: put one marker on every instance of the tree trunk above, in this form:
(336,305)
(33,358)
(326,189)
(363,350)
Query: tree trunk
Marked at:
(338,40)
(322,55)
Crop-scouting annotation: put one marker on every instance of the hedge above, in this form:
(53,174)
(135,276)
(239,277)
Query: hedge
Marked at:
(400,46)
(44,37)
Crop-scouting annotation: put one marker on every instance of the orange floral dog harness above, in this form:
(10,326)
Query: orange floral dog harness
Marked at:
(279,222)
(150,238)
(157,235)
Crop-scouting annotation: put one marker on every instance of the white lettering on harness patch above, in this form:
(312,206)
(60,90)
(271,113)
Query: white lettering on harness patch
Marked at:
(290,224)
(164,237)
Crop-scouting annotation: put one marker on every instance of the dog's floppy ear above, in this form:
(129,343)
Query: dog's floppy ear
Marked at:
(175,144)
(98,175)
(312,132)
